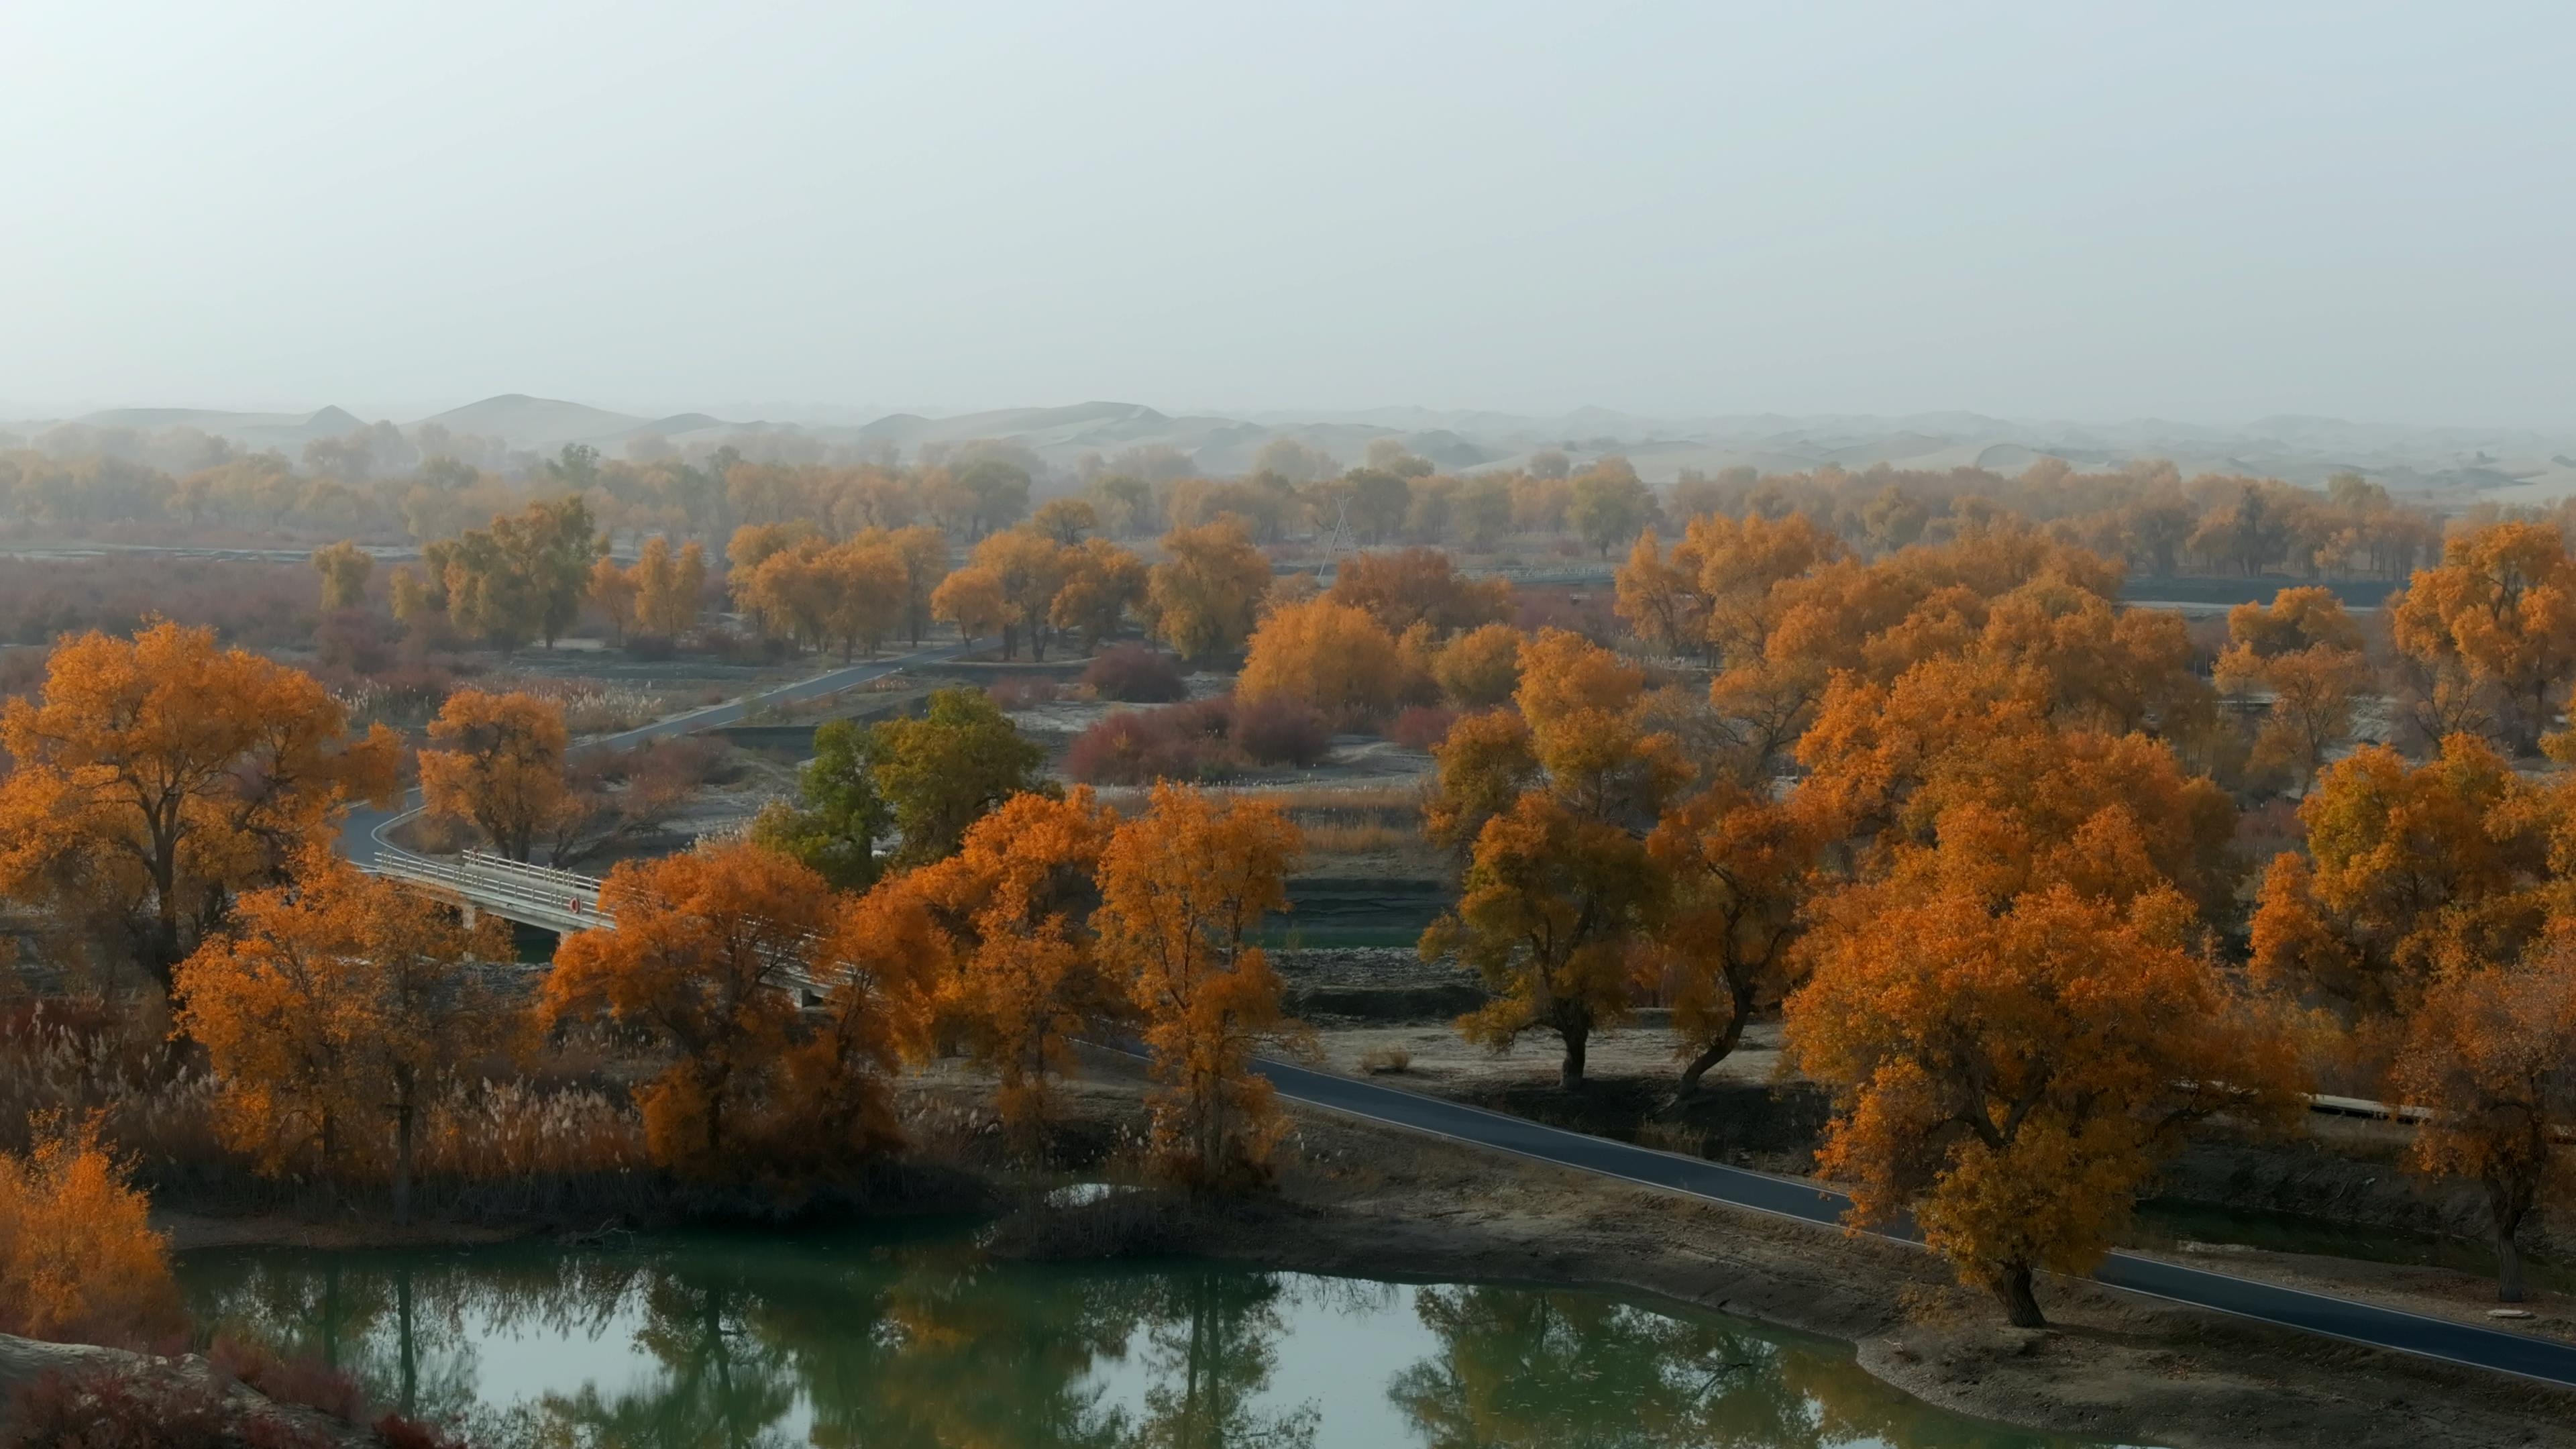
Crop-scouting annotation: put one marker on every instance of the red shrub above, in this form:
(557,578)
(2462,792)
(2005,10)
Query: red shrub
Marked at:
(1140,746)
(1277,730)
(1131,674)
(1422,726)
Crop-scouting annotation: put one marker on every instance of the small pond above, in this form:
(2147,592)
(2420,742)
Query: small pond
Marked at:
(879,1340)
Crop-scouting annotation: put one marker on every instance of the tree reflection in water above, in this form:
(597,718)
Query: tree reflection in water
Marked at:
(747,1343)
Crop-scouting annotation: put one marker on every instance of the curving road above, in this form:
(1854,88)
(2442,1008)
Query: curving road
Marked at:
(361,833)
(2392,1328)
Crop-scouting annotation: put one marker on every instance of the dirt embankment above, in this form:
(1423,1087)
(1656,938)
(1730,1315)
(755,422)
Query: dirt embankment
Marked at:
(1363,1200)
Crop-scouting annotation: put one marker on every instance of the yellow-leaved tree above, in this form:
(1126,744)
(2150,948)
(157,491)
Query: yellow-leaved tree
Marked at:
(335,1011)
(157,777)
(79,1260)
(499,764)
(2491,1054)
(1026,975)
(1182,888)
(1553,807)
(2012,1071)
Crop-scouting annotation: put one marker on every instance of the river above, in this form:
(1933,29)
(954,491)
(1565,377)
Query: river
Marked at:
(882,1338)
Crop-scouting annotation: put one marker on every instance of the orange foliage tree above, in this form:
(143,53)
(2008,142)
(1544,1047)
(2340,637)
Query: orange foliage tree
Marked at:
(1741,867)
(338,1010)
(973,599)
(1182,888)
(1027,974)
(499,763)
(1101,583)
(1203,597)
(705,956)
(2498,616)
(1559,885)
(2490,1053)
(2409,868)
(2307,652)
(2012,1068)
(1419,586)
(1332,656)
(667,586)
(157,777)
(1480,668)
(79,1261)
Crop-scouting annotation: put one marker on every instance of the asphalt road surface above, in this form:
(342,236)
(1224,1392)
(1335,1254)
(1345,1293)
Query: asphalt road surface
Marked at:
(2414,1333)
(358,840)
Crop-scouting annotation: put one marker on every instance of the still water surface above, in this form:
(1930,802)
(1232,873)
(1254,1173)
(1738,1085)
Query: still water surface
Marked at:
(907,1342)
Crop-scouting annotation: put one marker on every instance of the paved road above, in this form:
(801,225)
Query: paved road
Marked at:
(2461,1343)
(358,835)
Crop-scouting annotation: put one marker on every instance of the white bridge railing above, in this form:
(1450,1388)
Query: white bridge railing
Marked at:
(559,900)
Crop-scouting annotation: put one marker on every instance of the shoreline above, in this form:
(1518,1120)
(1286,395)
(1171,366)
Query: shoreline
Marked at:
(1359,1200)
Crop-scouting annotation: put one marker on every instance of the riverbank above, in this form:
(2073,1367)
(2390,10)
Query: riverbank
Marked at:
(1360,1200)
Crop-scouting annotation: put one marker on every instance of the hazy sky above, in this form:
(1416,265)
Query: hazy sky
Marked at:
(2091,210)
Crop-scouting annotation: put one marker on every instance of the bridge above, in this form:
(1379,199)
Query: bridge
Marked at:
(561,901)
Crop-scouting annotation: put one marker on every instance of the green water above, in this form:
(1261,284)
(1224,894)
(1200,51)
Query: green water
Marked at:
(908,1341)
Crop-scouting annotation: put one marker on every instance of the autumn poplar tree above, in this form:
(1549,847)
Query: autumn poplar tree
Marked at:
(1559,886)
(1741,867)
(2498,614)
(2011,1069)
(1182,888)
(704,958)
(1026,974)
(2305,651)
(158,777)
(1206,593)
(2490,1055)
(1334,657)
(344,568)
(498,763)
(335,1011)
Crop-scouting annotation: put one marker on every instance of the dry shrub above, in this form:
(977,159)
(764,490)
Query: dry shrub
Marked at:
(79,1261)
(1385,1061)
(87,1060)
(1024,693)
(254,603)
(1132,674)
(1139,746)
(145,1408)
(1278,730)
(1422,726)
(1364,839)
(304,1382)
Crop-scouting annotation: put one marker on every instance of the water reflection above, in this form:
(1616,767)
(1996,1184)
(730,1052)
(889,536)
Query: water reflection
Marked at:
(918,1344)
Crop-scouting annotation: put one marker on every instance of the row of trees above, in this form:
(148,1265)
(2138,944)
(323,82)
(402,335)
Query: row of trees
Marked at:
(384,484)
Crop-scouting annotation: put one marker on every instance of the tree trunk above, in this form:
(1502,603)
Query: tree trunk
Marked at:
(1570,1075)
(1720,1049)
(402,1148)
(2021,1306)
(2508,1203)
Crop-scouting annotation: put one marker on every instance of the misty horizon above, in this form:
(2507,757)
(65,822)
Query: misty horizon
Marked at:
(2200,214)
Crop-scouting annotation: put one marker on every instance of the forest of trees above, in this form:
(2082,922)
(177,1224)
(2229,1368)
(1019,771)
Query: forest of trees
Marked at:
(2034,882)
(384,486)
